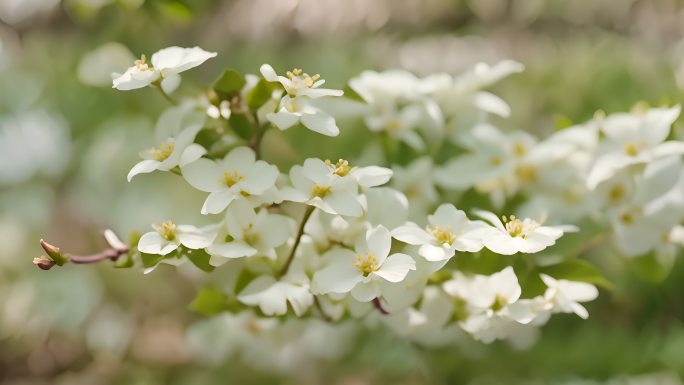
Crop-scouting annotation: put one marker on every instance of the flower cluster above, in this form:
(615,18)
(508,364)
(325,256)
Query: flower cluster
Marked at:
(334,239)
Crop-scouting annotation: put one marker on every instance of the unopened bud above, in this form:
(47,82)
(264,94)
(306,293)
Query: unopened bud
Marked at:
(54,253)
(43,262)
(114,241)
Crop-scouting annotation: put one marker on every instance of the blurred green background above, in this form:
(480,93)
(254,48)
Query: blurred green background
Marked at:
(67,140)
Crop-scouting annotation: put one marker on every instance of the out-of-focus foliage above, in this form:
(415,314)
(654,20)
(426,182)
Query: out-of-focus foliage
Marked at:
(67,141)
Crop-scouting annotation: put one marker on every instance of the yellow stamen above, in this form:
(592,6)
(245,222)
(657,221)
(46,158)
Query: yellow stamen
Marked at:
(526,173)
(517,228)
(631,149)
(320,191)
(519,149)
(231,179)
(163,152)
(443,235)
(366,263)
(616,193)
(340,168)
(167,230)
(141,64)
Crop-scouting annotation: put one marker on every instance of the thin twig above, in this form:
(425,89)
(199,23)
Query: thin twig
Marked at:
(56,257)
(165,95)
(288,261)
(378,305)
(319,307)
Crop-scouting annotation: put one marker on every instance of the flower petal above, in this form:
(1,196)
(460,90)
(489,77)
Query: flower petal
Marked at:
(396,267)
(235,249)
(204,175)
(372,176)
(320,122)
(412,234)
(144,167)
(153,243)
(217,201)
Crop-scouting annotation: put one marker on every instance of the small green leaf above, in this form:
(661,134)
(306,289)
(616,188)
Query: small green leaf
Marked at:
(209,301)
(133,249)
(174,10)
(650,268)
(200,258)
(243,280)
(229,83)
(561,121)
(207,137)
(150,260)
(241,125)
(349,93)
(260,94)
(577,270)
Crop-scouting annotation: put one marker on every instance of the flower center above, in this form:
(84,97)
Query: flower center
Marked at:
(167,230)
(300,80)
(495,161)
(163,152)
(616,193)
(526,173)
(443,235)
(141,64)
(366,263)
(517,228)
(499,303)
(249,236)
(393,125)
(341,168)
(519,149)
(320,191)
(631,149)
(231,179)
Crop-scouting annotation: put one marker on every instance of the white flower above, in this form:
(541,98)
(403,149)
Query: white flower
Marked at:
(487,301)
(360,272)
(320,185)
(237,176)
(634,138)
(429,324)
(416,182)
(295,107)
(518,236)
(178,151)
(272,296)
(250,233)
(564,296)
(650,204)
(449,230)
(166,65)
(168,236)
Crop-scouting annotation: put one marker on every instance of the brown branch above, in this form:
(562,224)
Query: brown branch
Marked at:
(56,257)
(300,232)
(376,304)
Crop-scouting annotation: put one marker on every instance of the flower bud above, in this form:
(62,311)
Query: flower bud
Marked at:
(53,253)
(43,262)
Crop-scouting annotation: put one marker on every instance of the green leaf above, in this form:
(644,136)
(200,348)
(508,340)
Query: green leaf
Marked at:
(209,301)
(200,258)
(243,280)
(577,270)
(650,268)
(174,10)
(230,82)
(349,93)
(260,94)
(150,260)
(128,262)
(561,121)
(207,137)
(241,125)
